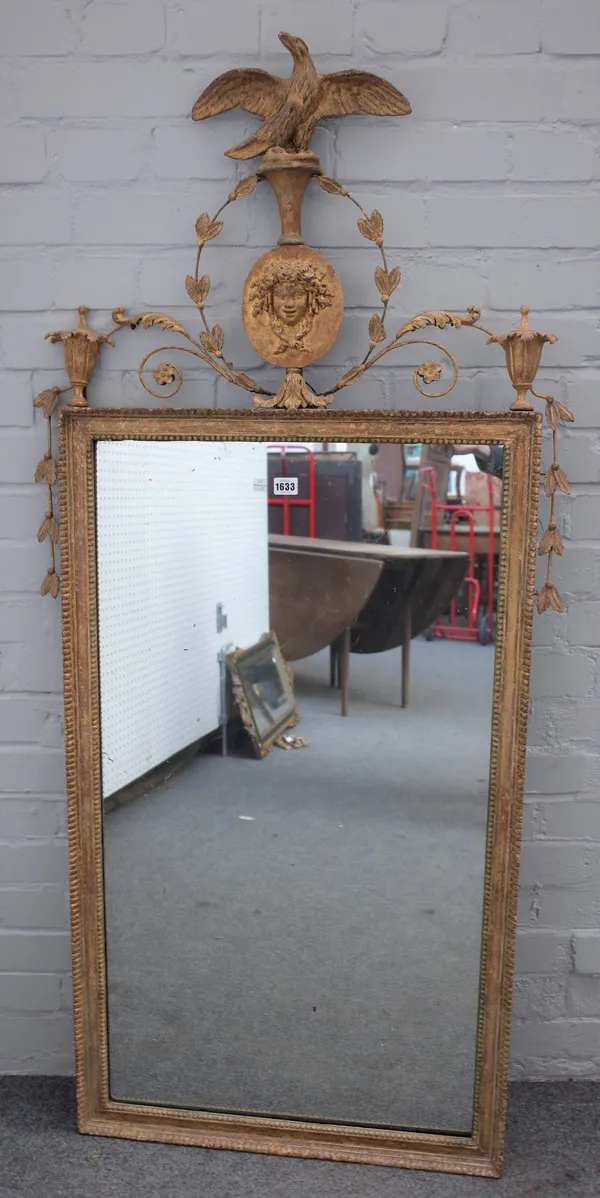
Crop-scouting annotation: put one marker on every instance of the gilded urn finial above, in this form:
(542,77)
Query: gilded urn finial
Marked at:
(81,347)
(523,349)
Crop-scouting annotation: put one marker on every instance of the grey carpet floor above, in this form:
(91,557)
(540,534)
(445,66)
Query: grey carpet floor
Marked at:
(552,1151)
(301,935)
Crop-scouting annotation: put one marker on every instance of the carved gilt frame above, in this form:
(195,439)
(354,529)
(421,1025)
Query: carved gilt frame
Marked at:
(481,1152)
(236,660)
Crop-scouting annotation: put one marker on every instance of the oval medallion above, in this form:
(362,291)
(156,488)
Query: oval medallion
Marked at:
(292,306)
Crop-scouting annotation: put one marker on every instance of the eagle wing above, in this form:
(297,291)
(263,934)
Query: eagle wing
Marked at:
(253,90)
(346,92)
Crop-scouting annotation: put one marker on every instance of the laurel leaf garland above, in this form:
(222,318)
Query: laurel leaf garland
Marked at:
(48,401)
(51,584)
(371,226)
(352,375)
(565,414)
(202,226)
(206,228)
(46,470)
(213,341)
(198,289)
(561,480)
(551,541)
(557,413)
(549,597)
(48,528)
(243,380)
(376,330)
(331,186)
(245,187)
(387,281)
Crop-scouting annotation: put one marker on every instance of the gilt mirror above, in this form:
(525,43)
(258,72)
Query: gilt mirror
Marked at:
(307,950)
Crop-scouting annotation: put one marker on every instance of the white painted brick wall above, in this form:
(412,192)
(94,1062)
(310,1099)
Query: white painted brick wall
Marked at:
(491,196)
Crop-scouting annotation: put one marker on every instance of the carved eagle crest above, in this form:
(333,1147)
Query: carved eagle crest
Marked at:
(291,108)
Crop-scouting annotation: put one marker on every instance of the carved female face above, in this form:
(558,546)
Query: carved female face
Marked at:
(284,296)
(290,302)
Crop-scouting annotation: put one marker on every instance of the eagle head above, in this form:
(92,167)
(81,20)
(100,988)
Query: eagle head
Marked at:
(295,45)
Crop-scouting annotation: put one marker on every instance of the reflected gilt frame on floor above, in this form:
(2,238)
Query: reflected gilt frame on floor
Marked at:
(246,703)
(98,1114)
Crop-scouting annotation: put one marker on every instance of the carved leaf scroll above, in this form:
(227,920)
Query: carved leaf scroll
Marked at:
(294,393)
(440,320)
(163,321)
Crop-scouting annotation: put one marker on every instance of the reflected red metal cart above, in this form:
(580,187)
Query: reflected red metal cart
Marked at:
(286,499)
(480,621)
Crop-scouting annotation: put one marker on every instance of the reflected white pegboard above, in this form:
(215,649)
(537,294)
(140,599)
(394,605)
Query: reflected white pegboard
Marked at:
(181,527)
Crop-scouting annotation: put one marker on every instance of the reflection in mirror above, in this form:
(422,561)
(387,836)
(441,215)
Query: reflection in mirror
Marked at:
(297,935)
(262,687)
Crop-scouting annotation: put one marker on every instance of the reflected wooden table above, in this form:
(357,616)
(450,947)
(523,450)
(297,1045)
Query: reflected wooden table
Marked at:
(315,597)
(410,591)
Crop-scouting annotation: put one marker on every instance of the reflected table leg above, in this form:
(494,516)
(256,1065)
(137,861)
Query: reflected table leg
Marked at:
(344,668)
(333,664)
(406,655)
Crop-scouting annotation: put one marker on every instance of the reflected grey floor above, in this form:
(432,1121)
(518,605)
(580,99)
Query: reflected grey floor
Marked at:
(552,1151)
(319,957)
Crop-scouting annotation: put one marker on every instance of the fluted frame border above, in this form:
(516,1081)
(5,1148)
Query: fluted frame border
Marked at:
(520,433)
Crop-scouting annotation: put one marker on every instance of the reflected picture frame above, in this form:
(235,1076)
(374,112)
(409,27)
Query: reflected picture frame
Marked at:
(263,723)
(480,1152)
